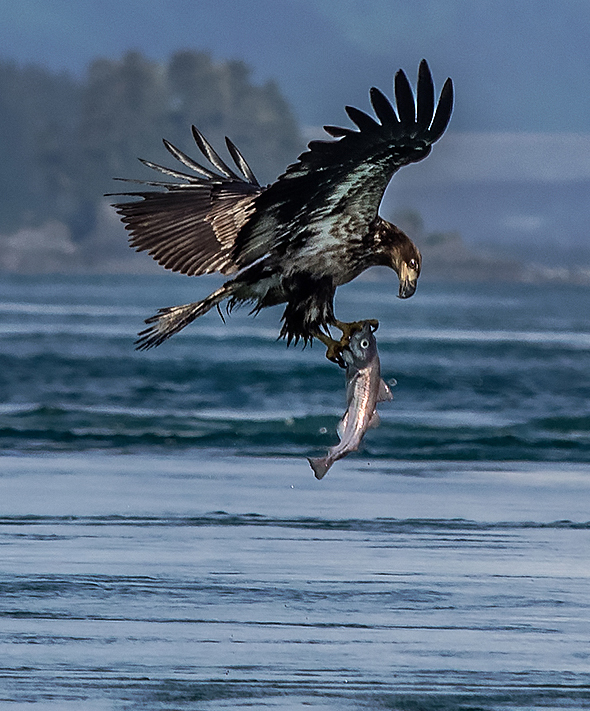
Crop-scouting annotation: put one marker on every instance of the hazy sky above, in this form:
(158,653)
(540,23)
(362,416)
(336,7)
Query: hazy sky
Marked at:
(517,64)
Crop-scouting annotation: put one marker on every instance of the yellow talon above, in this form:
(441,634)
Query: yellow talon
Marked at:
(333,348)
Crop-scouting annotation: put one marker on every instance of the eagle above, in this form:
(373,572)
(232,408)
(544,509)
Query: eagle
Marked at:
(296,240)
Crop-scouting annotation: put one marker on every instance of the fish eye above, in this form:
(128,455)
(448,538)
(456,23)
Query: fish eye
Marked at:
(364,343)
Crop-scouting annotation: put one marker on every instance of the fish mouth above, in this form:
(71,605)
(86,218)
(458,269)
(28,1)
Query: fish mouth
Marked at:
(407,288)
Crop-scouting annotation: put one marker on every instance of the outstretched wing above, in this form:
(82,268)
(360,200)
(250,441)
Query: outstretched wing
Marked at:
(191,226)
(336,187)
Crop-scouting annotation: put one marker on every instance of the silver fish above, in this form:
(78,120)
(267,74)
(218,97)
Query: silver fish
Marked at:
(364,389)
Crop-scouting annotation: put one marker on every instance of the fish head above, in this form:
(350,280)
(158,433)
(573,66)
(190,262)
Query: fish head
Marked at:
(362,347)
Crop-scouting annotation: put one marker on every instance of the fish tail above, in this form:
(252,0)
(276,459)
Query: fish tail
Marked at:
(320,465)
(172,319)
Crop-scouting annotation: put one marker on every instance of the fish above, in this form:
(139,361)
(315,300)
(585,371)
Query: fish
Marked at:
(364,389)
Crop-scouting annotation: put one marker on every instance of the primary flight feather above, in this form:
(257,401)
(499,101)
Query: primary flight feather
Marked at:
(315,228)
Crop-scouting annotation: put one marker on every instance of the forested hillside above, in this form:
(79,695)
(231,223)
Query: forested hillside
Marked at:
(62,139)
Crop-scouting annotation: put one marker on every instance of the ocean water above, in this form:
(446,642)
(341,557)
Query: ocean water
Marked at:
(164,544)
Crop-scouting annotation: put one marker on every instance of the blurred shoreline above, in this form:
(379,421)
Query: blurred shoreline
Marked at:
(50,249)
(509,207)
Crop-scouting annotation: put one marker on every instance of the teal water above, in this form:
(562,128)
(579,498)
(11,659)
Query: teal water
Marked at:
(164,545)
(494,372)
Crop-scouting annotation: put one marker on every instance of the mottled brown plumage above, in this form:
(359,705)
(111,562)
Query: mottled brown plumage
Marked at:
(315,228)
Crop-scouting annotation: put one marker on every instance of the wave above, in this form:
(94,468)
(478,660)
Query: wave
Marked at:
(246,335)
(224,519)
(495,377)
(39,309)
(65,329)
(219,332)
(29,426)
(568,339)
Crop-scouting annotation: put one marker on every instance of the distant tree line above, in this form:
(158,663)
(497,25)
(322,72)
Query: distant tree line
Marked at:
(63,140)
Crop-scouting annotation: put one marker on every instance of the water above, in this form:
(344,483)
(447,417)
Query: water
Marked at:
(164,544)
(484,373)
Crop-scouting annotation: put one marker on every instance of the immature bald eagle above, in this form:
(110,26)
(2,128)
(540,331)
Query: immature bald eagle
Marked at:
(295,241)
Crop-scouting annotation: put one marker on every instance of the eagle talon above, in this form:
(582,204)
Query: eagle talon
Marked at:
(334,353)
(333,348)
(349,328)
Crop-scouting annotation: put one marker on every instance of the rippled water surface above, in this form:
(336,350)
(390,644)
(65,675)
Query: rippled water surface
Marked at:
(164,545)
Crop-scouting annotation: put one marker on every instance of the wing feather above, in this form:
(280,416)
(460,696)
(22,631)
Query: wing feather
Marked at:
(424,97)
(240,161)
(169,171)
(171,231)
(404,98)
(443,112)
(363,121)
(338,131)
(334,190)
(191,226)
(189,162)
(383,108)
(212,156)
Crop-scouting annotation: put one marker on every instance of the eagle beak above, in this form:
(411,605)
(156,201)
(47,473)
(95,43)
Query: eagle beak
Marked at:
(407,287)
(408,279)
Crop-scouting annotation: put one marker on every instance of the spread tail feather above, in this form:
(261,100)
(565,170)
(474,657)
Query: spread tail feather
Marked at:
(172,319)
(320,466)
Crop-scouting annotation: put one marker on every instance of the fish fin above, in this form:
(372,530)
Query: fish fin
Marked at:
(384,392)
(320,466)
(375,420)
(341,426)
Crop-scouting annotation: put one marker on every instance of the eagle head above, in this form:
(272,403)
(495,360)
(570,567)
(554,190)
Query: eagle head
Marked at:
(399,252)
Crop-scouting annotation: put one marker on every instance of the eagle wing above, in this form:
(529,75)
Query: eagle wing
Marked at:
(338,185)
(191,226)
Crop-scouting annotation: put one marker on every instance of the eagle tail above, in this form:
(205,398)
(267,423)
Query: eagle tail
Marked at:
(172,319)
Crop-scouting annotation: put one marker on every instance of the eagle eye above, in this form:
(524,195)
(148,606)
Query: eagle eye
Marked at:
(413,264)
